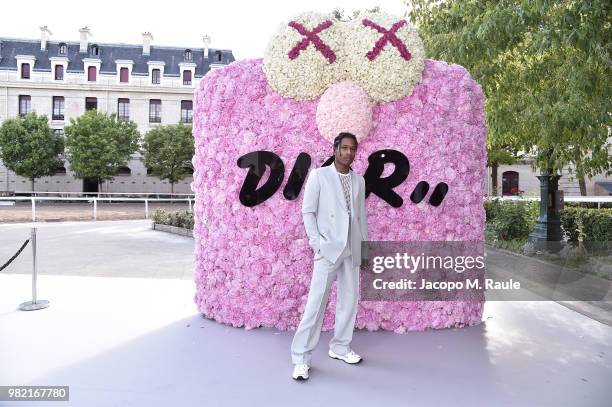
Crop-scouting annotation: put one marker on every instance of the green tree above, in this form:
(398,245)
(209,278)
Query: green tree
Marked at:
(544,67)
(98,144)
(168,151)
(29,147)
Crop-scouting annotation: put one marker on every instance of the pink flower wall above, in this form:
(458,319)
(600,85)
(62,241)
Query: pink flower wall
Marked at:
(254,264)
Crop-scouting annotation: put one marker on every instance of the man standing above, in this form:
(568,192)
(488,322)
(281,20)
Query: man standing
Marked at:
(335,220)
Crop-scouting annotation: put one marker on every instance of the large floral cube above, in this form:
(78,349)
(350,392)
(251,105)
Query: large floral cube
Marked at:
(254,264)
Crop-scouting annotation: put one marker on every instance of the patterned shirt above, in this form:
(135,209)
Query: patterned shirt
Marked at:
(345,180)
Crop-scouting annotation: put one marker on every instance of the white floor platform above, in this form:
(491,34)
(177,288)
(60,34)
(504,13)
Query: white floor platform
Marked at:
(141,342)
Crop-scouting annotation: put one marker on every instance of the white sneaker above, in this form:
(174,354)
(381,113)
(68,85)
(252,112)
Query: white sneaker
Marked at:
(350,357)
(300,371)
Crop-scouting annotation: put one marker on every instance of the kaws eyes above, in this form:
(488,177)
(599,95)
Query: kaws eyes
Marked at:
(302,59)
(381,53)
(385,56)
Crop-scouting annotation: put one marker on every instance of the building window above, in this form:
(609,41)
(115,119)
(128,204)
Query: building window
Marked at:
(62,50)
(155,76)
(58,108)
(124,75)
(95,51)
(219,55)
(91,103)
(186,111)
(58,132)
(155,111)
(510,183)
(59,72)
(91,74)
(124,171)
(61,170)
(25,105)
(25,71)
(123,109)
(186,77)
(188,170)
(188,55)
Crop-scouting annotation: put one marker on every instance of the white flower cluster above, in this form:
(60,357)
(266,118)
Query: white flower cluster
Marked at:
(386,77)
(308,75)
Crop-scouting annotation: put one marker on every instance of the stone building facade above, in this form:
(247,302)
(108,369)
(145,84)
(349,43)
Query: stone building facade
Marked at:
(150,85)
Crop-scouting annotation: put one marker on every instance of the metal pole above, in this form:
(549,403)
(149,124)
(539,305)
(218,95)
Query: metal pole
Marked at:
(95,208)
(546,235)
(189,204)
(34,268)
(34,304)
(146,209)
(33,210)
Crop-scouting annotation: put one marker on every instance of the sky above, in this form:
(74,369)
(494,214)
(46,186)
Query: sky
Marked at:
(239,25)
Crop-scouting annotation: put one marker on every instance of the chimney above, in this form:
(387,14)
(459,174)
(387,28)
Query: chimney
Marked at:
(85,34)
(206,40)
(146,43)
(45,34)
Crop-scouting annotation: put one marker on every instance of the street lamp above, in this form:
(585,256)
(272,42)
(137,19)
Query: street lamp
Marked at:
(546,234)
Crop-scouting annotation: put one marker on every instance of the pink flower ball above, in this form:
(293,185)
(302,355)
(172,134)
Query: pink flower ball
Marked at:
(344,107)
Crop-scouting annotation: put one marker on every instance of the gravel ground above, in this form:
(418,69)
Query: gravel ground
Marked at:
(80,211)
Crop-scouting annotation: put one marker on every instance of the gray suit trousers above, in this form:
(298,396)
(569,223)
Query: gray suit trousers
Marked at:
(324,273)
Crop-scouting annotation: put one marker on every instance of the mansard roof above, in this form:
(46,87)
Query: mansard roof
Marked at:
(108,54)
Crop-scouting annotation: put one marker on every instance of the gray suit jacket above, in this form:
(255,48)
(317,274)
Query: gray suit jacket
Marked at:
(325,216)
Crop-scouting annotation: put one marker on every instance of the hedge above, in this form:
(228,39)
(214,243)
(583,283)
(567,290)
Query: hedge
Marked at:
(506,220)
(596,224)
(181,219)
(509,220)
